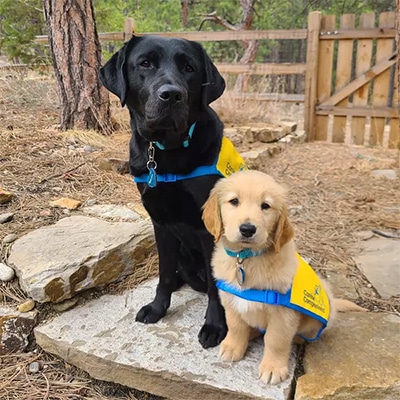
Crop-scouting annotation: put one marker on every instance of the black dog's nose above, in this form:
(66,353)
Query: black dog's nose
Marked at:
(170,93)
(247,230)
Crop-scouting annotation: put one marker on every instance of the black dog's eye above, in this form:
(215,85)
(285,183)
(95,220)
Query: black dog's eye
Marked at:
(145,64)
(234,201)
(265,206)
(189,68)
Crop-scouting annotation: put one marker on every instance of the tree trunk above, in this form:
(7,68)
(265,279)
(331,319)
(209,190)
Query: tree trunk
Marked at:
(185,13)
(248,57)
(251,47)
(76,56)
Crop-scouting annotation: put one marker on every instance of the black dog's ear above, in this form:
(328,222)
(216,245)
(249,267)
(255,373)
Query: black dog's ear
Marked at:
(214,84)
(113,72)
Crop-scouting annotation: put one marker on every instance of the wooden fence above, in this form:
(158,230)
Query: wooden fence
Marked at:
(351,82)
(351,88)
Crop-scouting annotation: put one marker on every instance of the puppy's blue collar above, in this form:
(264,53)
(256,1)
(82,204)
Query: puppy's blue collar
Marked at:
(271,297)
(244,253)
(185,142)
(240,257)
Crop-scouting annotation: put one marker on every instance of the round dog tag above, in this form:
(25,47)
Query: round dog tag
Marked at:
(240,274)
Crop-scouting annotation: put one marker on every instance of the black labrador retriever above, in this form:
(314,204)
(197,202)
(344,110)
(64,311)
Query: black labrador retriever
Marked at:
(167,85)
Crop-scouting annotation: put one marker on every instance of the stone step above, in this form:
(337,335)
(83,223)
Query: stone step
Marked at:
(165,359)
(358,358)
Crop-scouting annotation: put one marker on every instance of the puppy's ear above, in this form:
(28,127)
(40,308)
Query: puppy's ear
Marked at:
(113,73)
(284,231)
(212,216)
(213,82)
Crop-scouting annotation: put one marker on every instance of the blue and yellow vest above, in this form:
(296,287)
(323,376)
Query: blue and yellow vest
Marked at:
(306,295)
(227,162)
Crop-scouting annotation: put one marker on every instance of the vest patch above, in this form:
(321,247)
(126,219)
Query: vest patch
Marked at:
(308,292)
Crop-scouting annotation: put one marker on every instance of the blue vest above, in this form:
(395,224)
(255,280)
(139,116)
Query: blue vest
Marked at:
(227,162)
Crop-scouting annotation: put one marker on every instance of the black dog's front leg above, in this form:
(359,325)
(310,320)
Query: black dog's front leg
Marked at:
(168,249)
(214,329)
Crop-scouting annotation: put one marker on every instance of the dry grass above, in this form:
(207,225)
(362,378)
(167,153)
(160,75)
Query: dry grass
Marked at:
(239,112)
(56,380)
(333,196)
(331,193)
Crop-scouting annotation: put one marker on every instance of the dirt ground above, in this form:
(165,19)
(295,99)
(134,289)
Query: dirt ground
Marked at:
(331,197)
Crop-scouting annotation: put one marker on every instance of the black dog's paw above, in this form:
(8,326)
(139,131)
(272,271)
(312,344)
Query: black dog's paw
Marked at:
(150,314)
(211,335)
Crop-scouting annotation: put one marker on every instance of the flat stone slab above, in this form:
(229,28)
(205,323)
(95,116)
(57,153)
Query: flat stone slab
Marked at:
(111,211)
(358,358)
(165,359)
(55,262)
(379,261)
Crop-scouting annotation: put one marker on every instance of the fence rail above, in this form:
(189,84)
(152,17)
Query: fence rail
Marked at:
(343,92)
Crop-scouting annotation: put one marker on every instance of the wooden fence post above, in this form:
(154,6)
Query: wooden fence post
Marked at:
(324,76)
(343,76)
(313,32)
(129,28)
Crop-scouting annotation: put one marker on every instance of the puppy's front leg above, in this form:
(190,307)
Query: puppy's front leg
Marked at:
(168,249)
(274,367)
(234,346)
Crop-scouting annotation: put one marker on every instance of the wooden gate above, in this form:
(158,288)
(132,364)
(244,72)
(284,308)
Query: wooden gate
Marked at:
(351,82)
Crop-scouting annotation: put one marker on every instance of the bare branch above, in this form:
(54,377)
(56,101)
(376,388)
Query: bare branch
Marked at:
(220,21)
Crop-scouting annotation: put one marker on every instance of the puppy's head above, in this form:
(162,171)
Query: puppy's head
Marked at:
(248,209)
(165,82)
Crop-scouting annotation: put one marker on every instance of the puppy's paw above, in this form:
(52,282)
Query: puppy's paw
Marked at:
(273,373)
(229,352)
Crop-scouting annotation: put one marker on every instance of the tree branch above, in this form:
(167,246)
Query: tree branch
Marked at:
(220,21)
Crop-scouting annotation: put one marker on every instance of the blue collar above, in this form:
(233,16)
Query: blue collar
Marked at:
(271,297)
(240,257)
(244,253)
(185,142)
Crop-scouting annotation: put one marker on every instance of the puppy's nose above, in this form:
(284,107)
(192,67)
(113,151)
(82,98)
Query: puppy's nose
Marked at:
(247,230)
(170,93)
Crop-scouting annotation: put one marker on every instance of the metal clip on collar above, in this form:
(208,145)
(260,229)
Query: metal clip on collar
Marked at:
(151,166)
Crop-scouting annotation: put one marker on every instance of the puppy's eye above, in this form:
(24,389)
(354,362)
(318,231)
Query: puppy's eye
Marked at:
(189,68)
(265,206)
(234,201)
(145,64)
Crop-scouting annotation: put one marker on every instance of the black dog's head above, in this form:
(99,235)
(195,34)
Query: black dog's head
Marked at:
(165,83)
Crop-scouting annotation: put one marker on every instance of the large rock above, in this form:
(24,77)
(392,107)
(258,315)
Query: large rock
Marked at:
(260,154)
(77,253)
(268,133)
(261,132)
(165,359)
(15,328)
(379,261)
(111,211)
(358,358)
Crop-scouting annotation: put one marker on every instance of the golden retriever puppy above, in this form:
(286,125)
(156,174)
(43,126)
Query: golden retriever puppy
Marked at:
(263,283)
